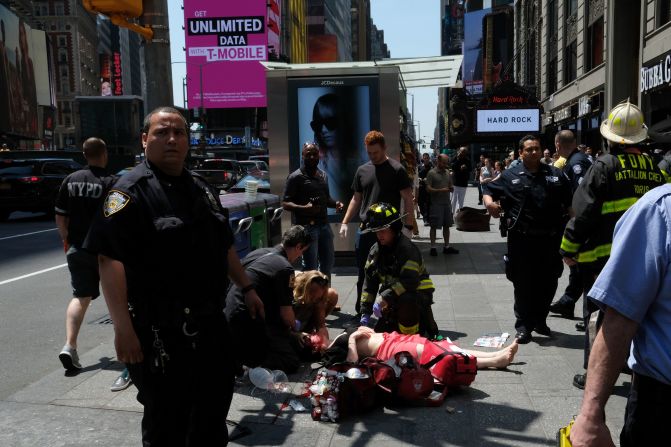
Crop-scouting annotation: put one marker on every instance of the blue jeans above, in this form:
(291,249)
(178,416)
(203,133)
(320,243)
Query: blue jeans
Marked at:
(320,255)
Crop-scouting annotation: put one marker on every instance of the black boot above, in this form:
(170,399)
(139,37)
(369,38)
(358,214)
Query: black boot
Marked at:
(564,306)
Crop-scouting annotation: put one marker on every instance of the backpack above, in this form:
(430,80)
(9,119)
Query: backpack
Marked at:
(449,368)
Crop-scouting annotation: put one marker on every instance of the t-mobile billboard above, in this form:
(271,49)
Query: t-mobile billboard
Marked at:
(224,43)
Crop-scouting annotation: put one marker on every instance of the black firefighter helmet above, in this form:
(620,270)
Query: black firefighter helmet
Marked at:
(382,215)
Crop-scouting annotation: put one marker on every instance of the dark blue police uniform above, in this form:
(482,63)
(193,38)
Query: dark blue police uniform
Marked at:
(269,343)
(79,199)
(172,237)
(534,206)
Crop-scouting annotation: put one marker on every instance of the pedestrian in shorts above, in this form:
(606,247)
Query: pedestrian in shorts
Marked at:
(80,197)
(439,186)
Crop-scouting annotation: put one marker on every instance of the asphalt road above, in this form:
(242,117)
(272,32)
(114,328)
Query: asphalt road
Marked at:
(34,292)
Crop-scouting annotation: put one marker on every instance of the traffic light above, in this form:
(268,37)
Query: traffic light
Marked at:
(124,8)
(459,118)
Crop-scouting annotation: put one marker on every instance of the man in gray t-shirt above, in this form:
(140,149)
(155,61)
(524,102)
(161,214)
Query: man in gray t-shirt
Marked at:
(439,185)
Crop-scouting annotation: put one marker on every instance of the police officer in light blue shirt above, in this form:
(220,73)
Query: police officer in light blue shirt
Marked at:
(634,290)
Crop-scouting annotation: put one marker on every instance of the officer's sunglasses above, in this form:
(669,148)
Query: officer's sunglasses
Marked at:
(330,123)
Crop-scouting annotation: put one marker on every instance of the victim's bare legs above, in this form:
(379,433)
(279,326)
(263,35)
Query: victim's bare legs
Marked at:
(495,359)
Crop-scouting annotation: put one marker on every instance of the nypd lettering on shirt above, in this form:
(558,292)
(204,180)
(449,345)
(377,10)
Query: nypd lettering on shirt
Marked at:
(551,178)
(85,189)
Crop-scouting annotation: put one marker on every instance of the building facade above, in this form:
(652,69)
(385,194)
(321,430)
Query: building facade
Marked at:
(74,41)
(329,31)
(295,31)
(576,55)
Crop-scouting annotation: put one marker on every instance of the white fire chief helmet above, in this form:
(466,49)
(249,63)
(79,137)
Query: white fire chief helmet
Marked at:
(624,124)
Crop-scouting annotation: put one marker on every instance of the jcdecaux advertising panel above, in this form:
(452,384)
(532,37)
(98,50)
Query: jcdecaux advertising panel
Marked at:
(225,42)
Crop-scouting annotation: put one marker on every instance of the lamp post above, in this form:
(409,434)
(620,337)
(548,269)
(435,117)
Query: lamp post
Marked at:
(419,132)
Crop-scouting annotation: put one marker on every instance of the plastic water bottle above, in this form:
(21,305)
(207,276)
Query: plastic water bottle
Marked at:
(275,381)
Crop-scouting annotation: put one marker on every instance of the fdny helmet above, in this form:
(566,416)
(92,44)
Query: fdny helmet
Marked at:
(624,124)
(382,215)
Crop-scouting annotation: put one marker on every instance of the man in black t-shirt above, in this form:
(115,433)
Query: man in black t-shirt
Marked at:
(306,195)
(461,171)
(275,342)
(380,180)
(79,198)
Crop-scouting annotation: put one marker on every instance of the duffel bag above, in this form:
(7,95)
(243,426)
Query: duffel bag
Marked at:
(449,367)
(472,219)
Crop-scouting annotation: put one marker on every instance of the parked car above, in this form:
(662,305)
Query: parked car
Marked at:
(251,165)
(221,173)
(262,177)
(263,158)
(32,185)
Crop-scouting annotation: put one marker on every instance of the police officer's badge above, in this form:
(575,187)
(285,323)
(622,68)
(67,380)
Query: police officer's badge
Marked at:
(292,280)
(115,201)
(577,169)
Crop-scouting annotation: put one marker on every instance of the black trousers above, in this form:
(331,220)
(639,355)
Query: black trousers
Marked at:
(588,277)
(363,246)
(574,288)
(534,267)
(186,403)
(647,413)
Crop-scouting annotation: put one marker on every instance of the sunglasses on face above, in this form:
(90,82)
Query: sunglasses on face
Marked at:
(330,123)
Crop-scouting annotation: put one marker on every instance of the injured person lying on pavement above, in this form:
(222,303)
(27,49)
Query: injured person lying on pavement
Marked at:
(364,342)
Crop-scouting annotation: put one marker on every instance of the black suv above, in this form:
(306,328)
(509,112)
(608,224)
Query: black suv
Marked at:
(221,173)
(32,185)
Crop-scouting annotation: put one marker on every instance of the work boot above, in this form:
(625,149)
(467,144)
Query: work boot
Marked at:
(564,306)
(579,381)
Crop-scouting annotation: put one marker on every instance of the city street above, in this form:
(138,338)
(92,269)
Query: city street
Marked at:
(32,320)
(521,406)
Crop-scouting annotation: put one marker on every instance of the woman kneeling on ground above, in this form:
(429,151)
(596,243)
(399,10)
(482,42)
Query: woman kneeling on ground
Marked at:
(313,301)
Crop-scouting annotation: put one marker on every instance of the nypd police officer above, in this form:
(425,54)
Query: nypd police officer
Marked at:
(535,198)
(165,249)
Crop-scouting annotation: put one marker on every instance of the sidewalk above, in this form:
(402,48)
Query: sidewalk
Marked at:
(521,406)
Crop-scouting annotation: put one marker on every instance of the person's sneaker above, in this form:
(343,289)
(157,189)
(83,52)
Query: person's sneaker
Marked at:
(450,251)
(580,326)
(579,381)
(122,382)
(433,252)
(69,358)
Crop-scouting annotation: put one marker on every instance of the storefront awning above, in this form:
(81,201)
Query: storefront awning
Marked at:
(439,71)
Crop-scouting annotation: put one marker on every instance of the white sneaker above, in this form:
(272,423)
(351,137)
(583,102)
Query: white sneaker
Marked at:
(69,358)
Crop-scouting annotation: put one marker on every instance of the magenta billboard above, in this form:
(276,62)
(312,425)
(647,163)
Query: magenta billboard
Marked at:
(225,41)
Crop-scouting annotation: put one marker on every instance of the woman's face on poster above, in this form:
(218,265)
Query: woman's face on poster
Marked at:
(325,125)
